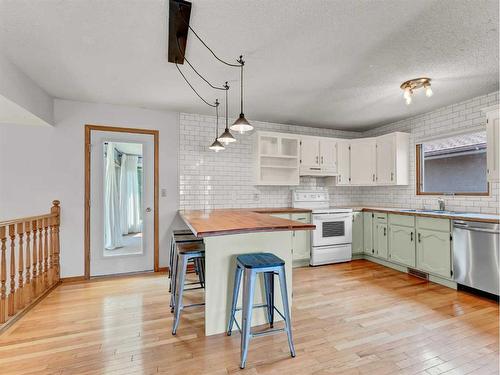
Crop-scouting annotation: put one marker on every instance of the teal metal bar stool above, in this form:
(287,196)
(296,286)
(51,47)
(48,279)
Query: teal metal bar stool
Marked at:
(249,266)
(186,252)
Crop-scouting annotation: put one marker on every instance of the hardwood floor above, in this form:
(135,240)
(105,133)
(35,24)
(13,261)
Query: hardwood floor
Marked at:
(352,318)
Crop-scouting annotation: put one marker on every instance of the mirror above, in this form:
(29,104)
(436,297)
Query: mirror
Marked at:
(123,198)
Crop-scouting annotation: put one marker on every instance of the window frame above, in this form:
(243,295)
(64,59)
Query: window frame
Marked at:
(418,174)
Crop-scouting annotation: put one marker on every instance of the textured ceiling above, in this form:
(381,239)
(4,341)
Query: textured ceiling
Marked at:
(334,64)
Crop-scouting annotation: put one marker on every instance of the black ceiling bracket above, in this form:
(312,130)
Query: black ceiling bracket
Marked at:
(178,26)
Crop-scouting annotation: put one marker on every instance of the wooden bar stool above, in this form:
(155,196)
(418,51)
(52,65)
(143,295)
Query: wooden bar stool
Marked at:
(249,266)
(185,253)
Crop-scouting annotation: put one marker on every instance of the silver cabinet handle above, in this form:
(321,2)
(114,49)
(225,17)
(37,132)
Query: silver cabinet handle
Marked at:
(340,177)
(392,176)
(373,177)
(385,231)
(317,159)
(411,236)
(419,239)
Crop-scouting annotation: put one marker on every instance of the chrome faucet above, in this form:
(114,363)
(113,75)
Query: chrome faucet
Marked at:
(441,204)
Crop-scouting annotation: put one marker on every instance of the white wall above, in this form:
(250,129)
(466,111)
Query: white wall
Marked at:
(18,88)
(39,164)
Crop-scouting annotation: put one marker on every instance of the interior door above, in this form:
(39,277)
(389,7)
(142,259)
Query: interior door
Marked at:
(328,154)
(363,155)
(385,159)
(121,203)
(309,152)
(343,163)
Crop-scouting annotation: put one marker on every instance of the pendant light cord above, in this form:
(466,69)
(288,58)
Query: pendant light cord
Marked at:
(227,89)
(194,69)
(242,62)
(192,88)
(205,44)
(217,117)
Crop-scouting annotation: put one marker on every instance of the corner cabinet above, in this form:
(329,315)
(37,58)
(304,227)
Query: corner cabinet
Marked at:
(374,161)
(318,156)
(493,140)
(276,159)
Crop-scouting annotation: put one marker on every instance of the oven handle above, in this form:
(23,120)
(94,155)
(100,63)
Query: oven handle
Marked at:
(331,218)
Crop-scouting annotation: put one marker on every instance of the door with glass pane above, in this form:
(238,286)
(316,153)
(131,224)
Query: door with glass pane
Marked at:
(121,203)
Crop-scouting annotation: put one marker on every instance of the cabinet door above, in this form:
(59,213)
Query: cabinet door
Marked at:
(492,148)
(386,159)
(357,233)
(434,252)
(301,240)
(402,245)
(368,232)
(328,154)
(380,240)
(363,156)
(343,163)
(309,152)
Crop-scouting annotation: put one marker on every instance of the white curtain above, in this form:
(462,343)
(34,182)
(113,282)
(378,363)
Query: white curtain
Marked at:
(130,205)
(112,228)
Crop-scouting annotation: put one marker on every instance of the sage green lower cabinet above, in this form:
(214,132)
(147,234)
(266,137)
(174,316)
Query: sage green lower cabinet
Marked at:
(357,233)
(402,245)
(434,252)
(301,239)
(368,233)
(380,240)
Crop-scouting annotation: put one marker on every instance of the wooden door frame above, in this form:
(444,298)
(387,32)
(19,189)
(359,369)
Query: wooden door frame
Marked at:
(156,134)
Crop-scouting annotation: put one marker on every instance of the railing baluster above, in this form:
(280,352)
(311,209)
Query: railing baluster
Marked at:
(34,284)
(51,251)
(3,275)
(56,209)
(12,304)
(40,257)
(27,286)
(45,254)
(20,267)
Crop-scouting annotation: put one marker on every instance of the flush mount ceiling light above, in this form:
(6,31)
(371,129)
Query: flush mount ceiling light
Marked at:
(411,85)
(179,14)
(216,146)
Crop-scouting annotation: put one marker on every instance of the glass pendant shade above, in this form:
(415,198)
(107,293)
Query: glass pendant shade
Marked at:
(241,125)
(216,146)
(226,137)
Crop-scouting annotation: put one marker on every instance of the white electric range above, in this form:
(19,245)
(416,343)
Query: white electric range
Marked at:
(331,241)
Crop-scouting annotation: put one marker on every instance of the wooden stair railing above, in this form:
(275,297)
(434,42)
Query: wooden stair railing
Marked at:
(29,262)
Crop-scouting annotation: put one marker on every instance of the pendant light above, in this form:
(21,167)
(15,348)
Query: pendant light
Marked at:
(241,124)
(226,137)
(216,146)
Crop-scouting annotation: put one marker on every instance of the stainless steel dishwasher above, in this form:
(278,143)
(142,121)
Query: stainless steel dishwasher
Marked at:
(476,255)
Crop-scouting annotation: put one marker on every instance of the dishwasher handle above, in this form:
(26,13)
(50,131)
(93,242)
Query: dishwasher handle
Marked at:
(462,225)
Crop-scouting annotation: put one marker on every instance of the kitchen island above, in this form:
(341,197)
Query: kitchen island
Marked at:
(229,232)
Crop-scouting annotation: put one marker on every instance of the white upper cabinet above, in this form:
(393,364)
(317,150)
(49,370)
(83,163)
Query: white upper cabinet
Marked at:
(328,155)
(493,141)
(392,159)
(318,156)
(277,159)
(363,156)
(343,163)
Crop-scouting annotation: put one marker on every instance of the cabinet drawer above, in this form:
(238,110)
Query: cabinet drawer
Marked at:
(380,217)
(430,223)
(304,218)
(403,220)
(281,216)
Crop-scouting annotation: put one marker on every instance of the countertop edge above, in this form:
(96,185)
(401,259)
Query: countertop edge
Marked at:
(436,216)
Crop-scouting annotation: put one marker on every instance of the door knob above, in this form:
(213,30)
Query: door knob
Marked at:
(148,209)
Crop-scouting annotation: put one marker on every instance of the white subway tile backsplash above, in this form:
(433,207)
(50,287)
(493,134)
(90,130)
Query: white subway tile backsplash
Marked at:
(222,180)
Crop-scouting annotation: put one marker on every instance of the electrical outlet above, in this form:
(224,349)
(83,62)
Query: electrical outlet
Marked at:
(256,197)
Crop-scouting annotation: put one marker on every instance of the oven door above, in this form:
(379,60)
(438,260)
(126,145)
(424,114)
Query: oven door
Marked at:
(332,229)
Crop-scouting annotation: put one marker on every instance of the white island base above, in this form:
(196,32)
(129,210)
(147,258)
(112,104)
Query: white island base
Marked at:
(220,265)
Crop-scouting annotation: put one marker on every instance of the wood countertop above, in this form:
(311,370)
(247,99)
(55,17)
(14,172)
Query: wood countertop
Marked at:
(466,216)
(232,221)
